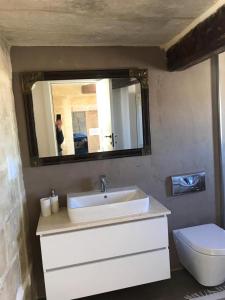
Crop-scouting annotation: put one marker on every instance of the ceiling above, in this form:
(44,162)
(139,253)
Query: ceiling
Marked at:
(96,22)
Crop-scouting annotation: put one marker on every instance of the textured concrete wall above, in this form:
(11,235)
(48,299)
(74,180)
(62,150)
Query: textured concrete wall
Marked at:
(181,132)
(14,268)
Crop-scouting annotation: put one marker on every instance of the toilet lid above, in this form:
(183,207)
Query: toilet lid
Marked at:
(207,239)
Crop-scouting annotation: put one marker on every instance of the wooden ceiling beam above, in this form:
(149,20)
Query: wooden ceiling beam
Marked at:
(202,42)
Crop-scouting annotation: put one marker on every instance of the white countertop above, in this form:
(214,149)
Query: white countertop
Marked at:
(60,222)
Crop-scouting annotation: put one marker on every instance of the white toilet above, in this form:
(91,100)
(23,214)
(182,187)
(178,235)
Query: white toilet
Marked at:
(201,250)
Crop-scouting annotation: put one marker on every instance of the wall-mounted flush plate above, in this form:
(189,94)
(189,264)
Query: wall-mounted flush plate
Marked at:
(188,183)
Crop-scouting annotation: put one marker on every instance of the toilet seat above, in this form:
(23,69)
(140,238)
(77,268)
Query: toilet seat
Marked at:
(208,239)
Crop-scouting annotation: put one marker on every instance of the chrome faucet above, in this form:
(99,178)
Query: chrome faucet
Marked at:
(103,183)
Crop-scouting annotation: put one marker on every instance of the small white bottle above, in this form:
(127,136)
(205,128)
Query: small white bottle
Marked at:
(54,202)
(45,207)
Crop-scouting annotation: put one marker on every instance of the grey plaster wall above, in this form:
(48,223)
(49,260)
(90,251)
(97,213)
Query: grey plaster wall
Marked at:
(181,132)
(14,262)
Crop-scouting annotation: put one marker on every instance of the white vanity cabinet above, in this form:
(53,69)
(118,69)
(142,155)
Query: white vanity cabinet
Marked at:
(86,259)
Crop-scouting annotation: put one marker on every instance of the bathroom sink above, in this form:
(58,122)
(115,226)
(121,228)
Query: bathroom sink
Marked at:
(96,205)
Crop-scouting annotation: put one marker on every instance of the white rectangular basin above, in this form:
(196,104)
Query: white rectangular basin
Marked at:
(95,206)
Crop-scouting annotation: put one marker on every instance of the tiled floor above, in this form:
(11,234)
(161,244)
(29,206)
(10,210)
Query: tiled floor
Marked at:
(180,285)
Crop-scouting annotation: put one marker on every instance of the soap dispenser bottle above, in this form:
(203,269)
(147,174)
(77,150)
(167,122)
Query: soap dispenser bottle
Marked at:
(54,202)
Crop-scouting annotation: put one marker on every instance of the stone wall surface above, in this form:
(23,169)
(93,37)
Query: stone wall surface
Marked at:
(14,257)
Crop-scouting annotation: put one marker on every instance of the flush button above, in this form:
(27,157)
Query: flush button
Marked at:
(188,183)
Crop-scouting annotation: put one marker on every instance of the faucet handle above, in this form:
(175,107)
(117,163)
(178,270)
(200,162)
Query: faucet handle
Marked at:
(100,179)
(103,178)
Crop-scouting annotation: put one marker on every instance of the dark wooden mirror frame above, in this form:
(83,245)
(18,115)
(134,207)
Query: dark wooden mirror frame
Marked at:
(29,78)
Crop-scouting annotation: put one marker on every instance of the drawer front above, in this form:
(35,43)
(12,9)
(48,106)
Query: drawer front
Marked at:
(99,277)
(93,244)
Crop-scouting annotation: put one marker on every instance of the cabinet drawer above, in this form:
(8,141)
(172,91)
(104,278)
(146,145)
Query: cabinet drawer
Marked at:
(99,277)
(93,244)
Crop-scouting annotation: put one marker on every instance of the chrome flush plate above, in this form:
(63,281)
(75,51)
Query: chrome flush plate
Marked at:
(188,183)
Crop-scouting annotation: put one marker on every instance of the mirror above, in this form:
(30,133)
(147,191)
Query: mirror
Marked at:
(80,115)
(76,117)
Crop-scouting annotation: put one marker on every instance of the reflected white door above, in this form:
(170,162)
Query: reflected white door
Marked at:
(103,95)
(127,117)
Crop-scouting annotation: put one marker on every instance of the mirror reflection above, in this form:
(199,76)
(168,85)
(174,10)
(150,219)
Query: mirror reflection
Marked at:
(87,116)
